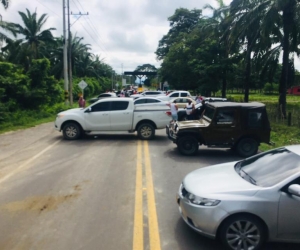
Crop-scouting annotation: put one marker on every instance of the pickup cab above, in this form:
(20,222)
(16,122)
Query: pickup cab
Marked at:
(112,114)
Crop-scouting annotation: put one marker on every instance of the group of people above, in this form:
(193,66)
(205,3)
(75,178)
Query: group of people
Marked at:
(191,112)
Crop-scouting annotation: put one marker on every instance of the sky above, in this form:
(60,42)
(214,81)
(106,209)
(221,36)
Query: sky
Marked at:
(123,33)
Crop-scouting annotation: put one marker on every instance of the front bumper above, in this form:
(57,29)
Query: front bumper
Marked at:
(203,219)
(171,132)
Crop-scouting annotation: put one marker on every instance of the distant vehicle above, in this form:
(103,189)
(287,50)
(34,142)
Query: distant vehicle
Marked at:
(148,93)
(101,96)
(143,101)
(245,203)
(182,101)
(174,94)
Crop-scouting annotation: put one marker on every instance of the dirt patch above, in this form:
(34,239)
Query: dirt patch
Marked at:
(41,203)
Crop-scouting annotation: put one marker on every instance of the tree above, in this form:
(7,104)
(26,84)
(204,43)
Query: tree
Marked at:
(35,37)
(183,21)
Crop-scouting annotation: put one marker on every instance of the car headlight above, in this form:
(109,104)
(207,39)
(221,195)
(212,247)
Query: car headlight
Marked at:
(176,128)
(202,201)
(60,116)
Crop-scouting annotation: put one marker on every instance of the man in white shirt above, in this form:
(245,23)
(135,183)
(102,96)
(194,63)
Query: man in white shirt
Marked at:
(190,107)
(174,109)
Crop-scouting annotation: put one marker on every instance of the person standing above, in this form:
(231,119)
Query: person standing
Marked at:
(190,108)
(81,102)
(174,109)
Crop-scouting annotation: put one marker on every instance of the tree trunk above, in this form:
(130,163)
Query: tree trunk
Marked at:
(247,71)
(287,21)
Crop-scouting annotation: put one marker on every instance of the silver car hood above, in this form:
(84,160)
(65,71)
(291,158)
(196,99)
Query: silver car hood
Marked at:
(221,179)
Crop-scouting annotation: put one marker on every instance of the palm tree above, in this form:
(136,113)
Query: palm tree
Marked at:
(218,26)
(5,3)
(35,37)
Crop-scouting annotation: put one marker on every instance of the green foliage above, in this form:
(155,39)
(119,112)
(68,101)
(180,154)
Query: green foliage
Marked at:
(270,88)
(44,89)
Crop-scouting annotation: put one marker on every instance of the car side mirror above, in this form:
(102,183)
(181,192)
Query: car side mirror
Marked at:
(294,189)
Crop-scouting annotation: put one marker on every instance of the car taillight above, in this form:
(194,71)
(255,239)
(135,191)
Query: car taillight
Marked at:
(168,113)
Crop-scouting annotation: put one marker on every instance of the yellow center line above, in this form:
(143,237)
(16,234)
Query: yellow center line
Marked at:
(152,215)
(138,242)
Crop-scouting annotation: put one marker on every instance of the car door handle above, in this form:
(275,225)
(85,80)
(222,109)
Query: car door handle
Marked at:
(126,113)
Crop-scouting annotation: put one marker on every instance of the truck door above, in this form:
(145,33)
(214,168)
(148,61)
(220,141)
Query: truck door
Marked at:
(220,131)
(98,119)
(120,116)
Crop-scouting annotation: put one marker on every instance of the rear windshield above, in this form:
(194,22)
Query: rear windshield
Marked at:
(269,168)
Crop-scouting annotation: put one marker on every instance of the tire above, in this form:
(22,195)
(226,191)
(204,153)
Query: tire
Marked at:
(188,145)
(146,131)
(71,131)
(243,232)
(247,147)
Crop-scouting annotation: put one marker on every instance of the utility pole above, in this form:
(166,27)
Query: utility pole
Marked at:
(70,56)
(66,84)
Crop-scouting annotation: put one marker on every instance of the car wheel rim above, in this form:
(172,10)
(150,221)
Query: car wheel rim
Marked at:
(247,147)
(71,132)
(243,235)
(188,145)
(146,132)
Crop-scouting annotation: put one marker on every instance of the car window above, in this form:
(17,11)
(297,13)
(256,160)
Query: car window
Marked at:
(152,101)
(101,106)
(174,94)
(254,119)
(269,168)
(225,116)
(209,113)
(104,95)
(184,94)
(119,105)
(140,101)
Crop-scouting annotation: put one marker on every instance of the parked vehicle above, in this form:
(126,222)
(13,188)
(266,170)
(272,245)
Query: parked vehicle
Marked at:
(182,101)
(149,101)
(101,96)
(240,126)
(245,203)
(174,94)
(148,93)
(112,114)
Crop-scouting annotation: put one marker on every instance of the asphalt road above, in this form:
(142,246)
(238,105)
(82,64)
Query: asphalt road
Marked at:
(106,192)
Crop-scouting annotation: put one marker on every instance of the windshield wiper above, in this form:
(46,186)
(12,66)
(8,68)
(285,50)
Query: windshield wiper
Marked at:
(249,177)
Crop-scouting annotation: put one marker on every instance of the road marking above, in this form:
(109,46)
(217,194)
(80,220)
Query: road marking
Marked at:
(138,234)
(138,239)
(22,167)
(152,215)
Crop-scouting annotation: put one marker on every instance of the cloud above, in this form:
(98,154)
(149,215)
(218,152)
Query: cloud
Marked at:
(120,32)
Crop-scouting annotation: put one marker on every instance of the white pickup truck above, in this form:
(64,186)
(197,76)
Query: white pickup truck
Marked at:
(175,94)
(113,114)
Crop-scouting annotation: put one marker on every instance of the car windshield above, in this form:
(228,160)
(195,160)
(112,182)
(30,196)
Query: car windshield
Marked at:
(269,168)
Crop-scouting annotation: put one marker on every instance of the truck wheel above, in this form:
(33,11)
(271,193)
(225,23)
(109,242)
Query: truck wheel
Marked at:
(242,232)
(146,131)
(247,147)
(71,131)
(188,145)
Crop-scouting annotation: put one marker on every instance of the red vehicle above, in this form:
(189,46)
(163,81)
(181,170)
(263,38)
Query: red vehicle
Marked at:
(294,90)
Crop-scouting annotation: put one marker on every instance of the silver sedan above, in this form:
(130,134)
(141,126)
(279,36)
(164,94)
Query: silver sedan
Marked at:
(248,202)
